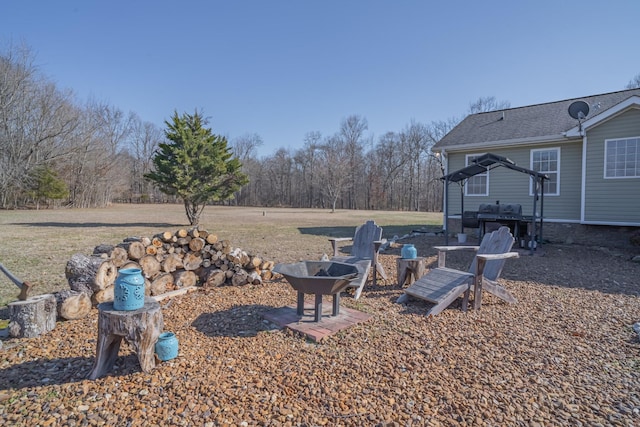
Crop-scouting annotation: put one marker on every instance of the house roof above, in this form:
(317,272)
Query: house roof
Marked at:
(532,123)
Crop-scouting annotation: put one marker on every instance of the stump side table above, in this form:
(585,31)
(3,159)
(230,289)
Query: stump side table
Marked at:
(141,328)
(409,270)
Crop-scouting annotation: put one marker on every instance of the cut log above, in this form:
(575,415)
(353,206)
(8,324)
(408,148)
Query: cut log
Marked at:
(183,241)
(240,278)
(191,261)
(182,233)
(212,277)
(194,232)
(103,248)
(166,236)
(90,274)
(119,257)
(184,278)
(145,241)
(151,250)
(254,278)
(211,238)
(157,242)
(196,244)
(72,305)
(162,283)
(103,295)
(254,263)
(171,263)
(141,328)
(266,275)
(150,266)
(130,264)
(32,317)
(135,250)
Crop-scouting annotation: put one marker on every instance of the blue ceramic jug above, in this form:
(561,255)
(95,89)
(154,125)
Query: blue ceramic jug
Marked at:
(128,292)
(409,251)
(167,346)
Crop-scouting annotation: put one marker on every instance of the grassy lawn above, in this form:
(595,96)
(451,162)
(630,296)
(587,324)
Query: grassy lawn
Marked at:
(36,245)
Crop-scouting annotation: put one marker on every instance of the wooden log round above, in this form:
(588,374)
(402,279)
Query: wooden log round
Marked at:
(212,277)
(171,263)
(72,305)
(240,278)
(103,295)
(135,249)
(119,257)
(184,278)
(196,244)
(90,274)
(140,328)
(191,261)
(164,282)
(32,317)
(150,266)
(211,238)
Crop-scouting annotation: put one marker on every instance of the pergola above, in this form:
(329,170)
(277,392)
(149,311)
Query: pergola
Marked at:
(486,163)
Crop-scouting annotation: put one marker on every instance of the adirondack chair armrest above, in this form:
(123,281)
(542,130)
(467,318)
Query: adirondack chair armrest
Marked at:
(489,257)
(442,252)
(334,243)
(455,248)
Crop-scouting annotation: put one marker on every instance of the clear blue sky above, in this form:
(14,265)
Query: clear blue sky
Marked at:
(281,69)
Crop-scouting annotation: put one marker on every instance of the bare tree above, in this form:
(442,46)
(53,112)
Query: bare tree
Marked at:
(634,83)
(352,135)
(143,142)
(485,104)
(335,173)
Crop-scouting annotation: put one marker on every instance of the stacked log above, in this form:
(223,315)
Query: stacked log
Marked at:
(168,260)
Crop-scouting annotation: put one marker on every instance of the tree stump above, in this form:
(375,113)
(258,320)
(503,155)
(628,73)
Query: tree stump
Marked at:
(409,270)
(32,317)
(141,328)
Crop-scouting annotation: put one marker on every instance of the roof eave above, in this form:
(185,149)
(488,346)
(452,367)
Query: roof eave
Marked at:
(504,143)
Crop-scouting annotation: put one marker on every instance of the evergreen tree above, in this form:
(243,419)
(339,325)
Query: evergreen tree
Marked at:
(47,185)
(196,165)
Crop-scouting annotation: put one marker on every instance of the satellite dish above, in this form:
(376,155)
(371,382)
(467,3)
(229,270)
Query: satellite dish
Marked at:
(579,110)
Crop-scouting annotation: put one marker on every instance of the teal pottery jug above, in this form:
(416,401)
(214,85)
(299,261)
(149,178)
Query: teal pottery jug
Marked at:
(167,346)
(128,292)
(409,251)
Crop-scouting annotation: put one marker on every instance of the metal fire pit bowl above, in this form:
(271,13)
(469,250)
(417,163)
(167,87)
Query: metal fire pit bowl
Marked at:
(318,278)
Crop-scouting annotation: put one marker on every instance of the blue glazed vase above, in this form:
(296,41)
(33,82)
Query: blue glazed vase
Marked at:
(128,291)
(167,346)
(409,251)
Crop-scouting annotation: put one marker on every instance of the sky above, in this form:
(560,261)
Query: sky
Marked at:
(281,69)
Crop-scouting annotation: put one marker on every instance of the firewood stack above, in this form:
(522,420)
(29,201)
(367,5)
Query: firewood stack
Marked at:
(169,261)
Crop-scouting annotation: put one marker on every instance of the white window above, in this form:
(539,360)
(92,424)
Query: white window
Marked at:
(477,185)
(622,158)
(547,161)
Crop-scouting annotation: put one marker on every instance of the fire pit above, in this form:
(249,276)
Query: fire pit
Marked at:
(318,278)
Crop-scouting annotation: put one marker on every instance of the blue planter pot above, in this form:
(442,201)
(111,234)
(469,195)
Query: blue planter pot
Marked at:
(409,251)
(128,291)
(167,346)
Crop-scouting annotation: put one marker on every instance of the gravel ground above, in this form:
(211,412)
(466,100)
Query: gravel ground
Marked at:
(565,354)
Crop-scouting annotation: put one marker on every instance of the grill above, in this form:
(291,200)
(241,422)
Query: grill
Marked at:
(498,212)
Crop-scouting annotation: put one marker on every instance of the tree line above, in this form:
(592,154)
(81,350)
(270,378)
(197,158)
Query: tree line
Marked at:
(58,152)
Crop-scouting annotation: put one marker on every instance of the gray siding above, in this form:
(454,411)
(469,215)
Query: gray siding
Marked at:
(509,186)
(611,201)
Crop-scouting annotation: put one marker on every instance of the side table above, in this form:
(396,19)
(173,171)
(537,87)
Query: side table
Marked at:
(409,270)
(141,328)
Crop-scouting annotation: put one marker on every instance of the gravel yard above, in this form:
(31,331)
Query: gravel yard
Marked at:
(565,354)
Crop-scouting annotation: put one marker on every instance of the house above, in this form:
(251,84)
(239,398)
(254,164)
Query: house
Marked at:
(593,161)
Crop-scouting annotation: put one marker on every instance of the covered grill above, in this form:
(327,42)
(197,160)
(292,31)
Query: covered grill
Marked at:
(509,211)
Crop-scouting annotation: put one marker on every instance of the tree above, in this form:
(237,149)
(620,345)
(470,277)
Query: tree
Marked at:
(196,165)
(47,185)
(634,83)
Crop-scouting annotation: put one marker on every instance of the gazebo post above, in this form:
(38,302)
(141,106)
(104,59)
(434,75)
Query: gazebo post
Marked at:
(446,210)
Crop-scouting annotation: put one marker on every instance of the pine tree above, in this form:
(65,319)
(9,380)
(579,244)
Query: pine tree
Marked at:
(196,165)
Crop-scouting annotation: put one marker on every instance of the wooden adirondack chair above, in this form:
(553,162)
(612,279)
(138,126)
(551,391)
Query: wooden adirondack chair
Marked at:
(367,241)
(443,285)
